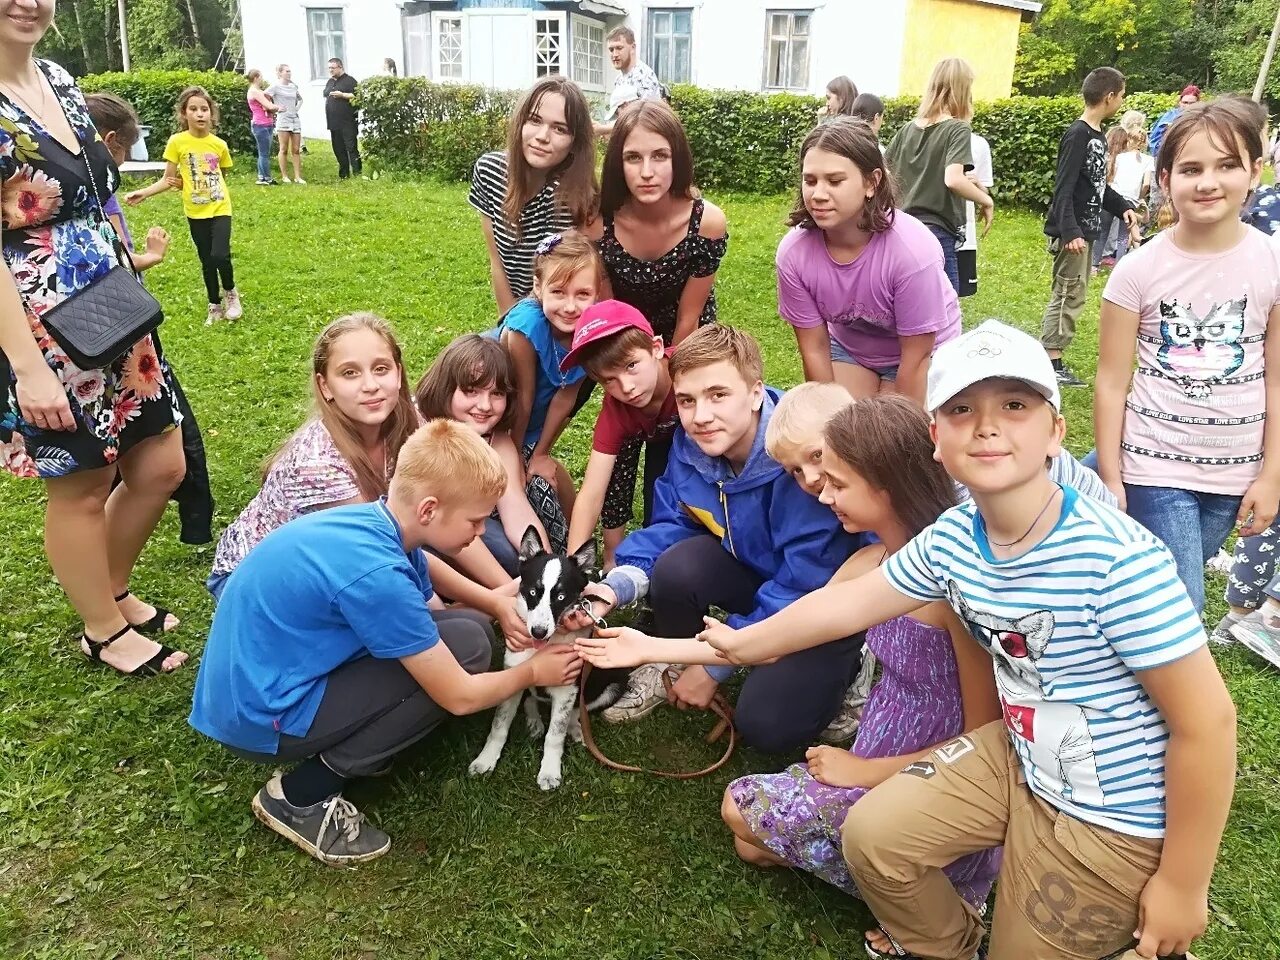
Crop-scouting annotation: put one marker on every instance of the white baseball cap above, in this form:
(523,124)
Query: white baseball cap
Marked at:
(990,350)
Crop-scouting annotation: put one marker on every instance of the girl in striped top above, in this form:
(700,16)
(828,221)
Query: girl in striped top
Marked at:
(1185,442)
(543,183)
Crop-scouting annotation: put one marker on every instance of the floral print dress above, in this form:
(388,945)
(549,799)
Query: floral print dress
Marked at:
(56,243)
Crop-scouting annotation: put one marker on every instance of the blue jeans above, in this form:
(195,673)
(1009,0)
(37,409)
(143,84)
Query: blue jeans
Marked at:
(950,264)
(262,138)
(1193,526)
(215,583)
(495,538)
(840,355)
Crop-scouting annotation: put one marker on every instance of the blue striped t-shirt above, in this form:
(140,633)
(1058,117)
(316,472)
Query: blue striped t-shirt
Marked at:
(1069,623)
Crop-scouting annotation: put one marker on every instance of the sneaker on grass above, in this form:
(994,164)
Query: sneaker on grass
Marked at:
(1260,632)
(1066,376)
(643,695)
(333,831)
(1222,632)
(845,725)
(234,308)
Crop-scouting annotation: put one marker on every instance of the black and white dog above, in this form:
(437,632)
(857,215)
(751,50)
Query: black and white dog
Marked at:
(551,584)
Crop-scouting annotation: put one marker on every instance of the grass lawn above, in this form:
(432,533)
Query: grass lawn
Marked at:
(125,834)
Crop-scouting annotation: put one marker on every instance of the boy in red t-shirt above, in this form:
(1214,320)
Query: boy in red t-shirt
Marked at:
(617,347)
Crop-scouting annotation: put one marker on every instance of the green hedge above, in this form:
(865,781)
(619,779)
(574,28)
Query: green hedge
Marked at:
(154,93)
(740,141)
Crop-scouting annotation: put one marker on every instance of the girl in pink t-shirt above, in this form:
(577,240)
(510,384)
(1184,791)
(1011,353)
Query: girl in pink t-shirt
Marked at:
(863,284)
(1185,441)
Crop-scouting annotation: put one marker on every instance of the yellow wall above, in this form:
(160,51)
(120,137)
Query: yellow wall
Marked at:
(985,35)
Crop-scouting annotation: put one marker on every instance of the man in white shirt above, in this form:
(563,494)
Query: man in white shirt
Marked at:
(636,79)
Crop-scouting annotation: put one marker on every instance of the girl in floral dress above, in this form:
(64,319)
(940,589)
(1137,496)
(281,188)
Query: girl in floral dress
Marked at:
(936,683)
(75,429)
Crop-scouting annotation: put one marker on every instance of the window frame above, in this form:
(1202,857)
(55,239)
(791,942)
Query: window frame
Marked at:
(580,23)
(789,47)
(320,67)
(438,18)
(651,36)
(566,49)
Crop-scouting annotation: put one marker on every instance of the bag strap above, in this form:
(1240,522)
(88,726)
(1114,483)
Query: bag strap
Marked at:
(719,706)
(122,255)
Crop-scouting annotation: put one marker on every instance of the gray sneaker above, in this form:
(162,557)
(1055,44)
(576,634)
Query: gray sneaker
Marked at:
(334,831)
(845,725)
(644,694)
(1260,632)
(1222,632)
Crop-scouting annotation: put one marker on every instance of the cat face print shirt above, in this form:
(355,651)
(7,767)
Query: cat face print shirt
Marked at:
(1197,404)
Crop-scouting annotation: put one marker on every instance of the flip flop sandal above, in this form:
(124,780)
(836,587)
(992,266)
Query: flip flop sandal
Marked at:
(896,952)
(155,625)
(150,668)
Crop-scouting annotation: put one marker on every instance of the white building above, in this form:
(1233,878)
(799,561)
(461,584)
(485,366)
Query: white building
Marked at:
(886,46)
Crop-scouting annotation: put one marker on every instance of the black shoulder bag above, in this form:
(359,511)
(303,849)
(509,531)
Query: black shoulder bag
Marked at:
(96,325)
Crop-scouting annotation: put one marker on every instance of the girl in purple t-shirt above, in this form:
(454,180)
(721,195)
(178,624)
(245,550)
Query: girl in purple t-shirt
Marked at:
(1185,441)
(863,284)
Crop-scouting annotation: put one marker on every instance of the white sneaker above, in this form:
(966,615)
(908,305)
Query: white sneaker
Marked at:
(644,694)
(215,314)
(1221,563)
(285,179)
(299,180)
(845,725)
(234,308)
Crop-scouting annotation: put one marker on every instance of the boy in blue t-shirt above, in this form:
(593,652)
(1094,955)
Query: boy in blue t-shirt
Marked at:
(323,649)
(1109,780)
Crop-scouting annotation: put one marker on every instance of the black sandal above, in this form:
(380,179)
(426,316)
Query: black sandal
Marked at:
(151,668)
(896,952)
(155,625)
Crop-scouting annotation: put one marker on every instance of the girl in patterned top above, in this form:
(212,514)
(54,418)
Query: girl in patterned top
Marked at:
(542,184)
(346,450)
(661,244)
(1185,442)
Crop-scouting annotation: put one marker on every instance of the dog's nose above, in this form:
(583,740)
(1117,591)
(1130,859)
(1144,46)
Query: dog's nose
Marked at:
(539,633)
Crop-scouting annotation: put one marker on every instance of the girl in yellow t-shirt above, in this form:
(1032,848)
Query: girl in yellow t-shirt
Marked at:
(196,158)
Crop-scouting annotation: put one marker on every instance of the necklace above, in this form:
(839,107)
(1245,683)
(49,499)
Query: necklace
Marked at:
(1043,510)
(23,102)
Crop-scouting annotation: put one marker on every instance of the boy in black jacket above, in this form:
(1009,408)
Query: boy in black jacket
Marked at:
(1080,193)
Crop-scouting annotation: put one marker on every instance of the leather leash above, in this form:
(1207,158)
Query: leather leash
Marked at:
(719,706)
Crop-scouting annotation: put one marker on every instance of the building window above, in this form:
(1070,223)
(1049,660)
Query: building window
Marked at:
(417,44)
(448,48)
(326,38)
(588,53)
(548,44)
(670,44)
(786,64)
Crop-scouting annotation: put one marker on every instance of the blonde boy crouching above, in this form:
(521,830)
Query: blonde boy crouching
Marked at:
(323,651)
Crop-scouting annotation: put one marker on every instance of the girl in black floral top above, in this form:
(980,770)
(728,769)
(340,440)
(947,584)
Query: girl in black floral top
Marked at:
(661,244)
(76,429)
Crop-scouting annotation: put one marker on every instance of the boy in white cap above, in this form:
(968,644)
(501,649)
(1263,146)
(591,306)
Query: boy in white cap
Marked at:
(1110,778)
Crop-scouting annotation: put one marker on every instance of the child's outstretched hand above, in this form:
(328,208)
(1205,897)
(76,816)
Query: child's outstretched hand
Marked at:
(616,647)
(724,638)
(157,242)
(134,197)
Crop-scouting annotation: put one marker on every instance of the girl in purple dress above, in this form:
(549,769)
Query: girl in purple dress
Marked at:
(879,476)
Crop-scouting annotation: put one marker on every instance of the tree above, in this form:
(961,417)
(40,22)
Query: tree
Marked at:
(163,34)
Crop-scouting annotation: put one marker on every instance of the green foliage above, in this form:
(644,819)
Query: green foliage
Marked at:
(437,129)
(1157,44)
(740,140)
(163,35)
(154,93)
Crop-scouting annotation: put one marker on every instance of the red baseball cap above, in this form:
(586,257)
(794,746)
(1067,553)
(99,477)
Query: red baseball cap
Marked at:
(601,320)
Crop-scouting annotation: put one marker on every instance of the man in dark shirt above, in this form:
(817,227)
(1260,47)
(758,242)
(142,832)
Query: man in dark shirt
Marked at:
(341,119)
(1080,194)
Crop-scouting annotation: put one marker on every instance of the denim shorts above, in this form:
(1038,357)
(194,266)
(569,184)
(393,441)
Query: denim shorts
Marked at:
(840,355)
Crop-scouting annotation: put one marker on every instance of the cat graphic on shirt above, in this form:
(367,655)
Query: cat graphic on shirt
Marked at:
(1198,352)
(1056,735)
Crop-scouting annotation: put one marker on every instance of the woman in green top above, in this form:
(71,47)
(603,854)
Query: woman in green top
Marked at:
(929,157)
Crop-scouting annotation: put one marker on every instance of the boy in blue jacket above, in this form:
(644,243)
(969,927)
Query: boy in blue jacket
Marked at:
(732,529)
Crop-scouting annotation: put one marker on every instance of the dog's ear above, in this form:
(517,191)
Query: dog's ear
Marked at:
(530,543)
(585,556)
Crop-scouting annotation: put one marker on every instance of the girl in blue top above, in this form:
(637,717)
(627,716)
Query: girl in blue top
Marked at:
(537,332)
